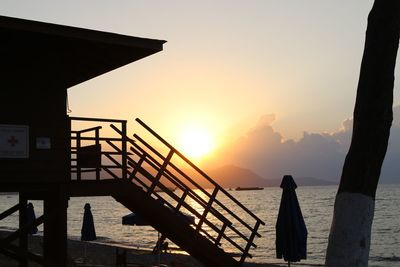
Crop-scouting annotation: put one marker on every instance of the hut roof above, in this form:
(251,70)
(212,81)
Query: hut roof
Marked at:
(50,55)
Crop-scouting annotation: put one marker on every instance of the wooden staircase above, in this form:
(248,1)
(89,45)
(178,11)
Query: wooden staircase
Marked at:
(156,181)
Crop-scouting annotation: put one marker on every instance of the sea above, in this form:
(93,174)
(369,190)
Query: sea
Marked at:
(316,203)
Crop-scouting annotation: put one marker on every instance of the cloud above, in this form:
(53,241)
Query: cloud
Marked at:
(319,155)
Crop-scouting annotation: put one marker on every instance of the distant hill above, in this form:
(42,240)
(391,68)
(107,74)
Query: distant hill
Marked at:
(231,176)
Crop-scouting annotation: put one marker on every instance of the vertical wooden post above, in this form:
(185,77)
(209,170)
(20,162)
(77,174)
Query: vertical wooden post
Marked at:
(97,136)
(251,239)
(138,165)
(181,200)
(220,234)
(207,209)
(78,146)
(55,229)
(68,149)
(23,239)
(161,171)
(124,151)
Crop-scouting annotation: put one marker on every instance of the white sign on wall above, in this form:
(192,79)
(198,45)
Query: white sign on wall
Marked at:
(14,141)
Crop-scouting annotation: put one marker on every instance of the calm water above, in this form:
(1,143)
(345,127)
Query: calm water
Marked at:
(316,204)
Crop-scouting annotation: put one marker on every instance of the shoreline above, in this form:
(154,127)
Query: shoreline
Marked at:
(104,255)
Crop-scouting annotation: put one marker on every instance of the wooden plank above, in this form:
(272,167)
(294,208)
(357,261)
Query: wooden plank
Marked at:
(113,160)
(10,211)
(110,172)
(87,130)
(88,138)
(95,119)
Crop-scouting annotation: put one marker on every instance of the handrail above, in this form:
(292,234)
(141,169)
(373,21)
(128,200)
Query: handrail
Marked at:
(212,197)
(95,119)
(112,153)
(197,185)
(203,202)
(197,169)
(87,130)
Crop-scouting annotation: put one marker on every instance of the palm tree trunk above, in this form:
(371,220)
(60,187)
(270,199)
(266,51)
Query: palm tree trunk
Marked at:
(350,235)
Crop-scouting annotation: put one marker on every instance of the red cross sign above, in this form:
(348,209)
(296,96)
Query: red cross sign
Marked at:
(14,141)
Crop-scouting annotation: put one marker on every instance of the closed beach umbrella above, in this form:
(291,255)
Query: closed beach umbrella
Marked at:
(31,217)
(88,233)
(291,231)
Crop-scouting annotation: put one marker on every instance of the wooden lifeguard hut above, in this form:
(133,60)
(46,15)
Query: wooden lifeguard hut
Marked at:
(46,155)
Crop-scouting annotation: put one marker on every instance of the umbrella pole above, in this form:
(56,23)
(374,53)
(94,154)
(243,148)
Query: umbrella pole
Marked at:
(288,263)
(84,253)
(159,247)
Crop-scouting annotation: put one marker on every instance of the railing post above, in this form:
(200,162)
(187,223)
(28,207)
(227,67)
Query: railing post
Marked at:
(124,151)
(23,238)
(220,234)
(97,142)
(207,208)
(137,166)
(161,171)
(78,146)
(251,239)
(181,200)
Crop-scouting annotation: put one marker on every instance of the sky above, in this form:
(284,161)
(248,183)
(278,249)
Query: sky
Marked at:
(273,82)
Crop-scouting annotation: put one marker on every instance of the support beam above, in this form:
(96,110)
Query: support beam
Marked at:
(23,238)
(55,229)
(9,212)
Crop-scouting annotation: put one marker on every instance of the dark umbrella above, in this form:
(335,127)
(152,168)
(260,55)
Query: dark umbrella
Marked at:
(30,218)
(291,231)
(88,233)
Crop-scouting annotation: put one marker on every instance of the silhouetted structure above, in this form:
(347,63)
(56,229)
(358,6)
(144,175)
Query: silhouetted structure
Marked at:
(47,155)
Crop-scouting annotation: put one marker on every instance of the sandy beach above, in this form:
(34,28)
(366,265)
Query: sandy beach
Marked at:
(104,255)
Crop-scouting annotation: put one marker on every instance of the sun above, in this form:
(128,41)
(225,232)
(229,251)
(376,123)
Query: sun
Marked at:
(196,142)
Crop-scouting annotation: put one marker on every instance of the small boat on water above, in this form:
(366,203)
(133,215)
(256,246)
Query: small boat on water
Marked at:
(248,188)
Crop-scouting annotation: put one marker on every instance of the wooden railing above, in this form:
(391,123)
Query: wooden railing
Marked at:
(112,153)
(167,175)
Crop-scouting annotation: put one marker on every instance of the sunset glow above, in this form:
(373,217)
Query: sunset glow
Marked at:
(195,142)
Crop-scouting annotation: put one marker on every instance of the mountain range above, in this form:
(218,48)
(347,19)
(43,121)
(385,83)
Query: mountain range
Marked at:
(231,176)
